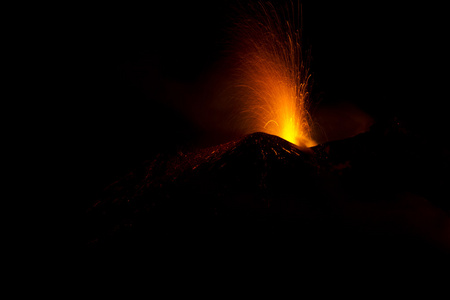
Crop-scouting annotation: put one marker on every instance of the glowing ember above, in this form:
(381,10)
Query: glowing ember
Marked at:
(273,79)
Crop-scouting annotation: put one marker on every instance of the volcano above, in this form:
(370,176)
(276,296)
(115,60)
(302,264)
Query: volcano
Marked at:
(370,199)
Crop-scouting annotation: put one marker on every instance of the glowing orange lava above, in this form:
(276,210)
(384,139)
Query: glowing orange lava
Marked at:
(273,79)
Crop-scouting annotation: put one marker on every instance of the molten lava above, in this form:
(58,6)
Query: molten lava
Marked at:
(273,78)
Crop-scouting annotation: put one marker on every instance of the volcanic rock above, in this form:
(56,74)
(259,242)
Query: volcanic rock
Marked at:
(377,195)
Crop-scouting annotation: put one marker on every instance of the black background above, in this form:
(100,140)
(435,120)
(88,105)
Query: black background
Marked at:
(385,57)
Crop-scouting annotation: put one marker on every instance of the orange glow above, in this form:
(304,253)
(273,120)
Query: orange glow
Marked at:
(273,79)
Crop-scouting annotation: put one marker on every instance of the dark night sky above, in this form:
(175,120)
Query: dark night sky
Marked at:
(383,57)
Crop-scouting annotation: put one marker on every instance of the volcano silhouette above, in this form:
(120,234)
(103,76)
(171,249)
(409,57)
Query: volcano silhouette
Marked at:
(376,195)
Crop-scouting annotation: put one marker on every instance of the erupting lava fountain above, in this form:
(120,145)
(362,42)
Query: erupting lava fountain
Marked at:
(273,80)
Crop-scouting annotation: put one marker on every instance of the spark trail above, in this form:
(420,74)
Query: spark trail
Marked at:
(273,80)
